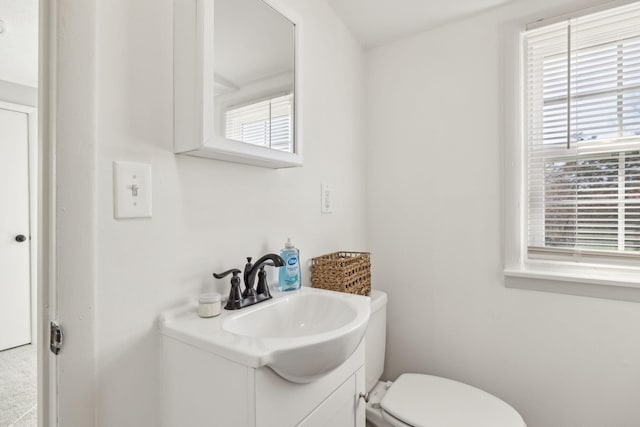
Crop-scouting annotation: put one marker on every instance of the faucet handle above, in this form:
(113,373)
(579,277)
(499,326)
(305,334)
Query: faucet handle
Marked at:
(234,301)
(222,275)
(263,286)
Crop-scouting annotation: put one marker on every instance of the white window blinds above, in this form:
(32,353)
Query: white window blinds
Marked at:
(267,123)
(582,114)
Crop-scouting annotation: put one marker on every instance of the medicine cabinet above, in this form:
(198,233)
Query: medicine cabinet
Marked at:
(237,81)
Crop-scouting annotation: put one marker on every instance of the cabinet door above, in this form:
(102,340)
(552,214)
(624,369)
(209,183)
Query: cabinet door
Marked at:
(338,410)
(281,403)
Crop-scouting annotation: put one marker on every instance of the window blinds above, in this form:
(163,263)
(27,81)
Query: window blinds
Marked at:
(267,123)
(582,114)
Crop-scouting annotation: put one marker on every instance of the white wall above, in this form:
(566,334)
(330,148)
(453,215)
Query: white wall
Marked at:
(207,215)
(435,207)
(19,42)
(18,94)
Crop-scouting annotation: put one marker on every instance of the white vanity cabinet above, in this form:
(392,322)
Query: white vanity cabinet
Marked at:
(202,389)
(296,359)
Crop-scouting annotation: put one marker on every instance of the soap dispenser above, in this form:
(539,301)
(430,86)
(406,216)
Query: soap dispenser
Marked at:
(290,273)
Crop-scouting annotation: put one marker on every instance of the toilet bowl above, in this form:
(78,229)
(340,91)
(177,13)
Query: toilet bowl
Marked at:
(418,400)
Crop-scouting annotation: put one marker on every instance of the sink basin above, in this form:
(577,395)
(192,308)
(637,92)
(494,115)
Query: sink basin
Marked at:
(294,316)
(312,333)
(300,335)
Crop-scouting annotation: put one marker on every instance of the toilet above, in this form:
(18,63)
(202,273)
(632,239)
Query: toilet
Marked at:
(417,400)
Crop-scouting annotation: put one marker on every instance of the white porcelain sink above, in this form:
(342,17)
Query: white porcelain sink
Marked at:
(297,315)
(301,335)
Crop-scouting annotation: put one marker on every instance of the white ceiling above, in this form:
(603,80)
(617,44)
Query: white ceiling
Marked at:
(375,22)
(19,42)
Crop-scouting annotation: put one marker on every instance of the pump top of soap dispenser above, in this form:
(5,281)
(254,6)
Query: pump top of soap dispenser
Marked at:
(289,244)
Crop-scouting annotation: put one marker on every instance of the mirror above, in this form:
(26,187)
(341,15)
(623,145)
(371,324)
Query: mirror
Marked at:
(237,89)
(253,70)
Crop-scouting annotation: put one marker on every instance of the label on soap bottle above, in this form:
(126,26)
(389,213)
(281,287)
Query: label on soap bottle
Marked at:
(290,272)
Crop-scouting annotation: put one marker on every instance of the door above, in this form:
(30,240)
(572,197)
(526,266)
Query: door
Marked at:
(15,287)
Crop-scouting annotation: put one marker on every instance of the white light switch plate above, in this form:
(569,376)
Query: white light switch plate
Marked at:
(132,190)
(325,199)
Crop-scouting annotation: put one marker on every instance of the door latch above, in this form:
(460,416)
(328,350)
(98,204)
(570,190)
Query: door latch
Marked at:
(55,343)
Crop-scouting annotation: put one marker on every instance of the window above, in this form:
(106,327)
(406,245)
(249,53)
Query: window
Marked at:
(267,123)
(582,130)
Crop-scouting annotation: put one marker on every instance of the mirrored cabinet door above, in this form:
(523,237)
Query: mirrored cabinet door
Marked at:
(237,82)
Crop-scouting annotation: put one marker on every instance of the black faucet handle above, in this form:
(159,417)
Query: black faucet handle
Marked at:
(224,274)
(234,301)
(263,286)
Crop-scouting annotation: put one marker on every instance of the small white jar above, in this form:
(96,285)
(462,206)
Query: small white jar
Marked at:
(210,304)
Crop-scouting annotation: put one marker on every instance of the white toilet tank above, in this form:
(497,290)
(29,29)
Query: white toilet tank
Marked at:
(376,338)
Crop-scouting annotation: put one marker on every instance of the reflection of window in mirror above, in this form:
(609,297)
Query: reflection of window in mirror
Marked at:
(267,123)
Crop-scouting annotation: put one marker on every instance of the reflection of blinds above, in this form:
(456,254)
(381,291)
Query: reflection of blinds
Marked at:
(266,123)
(583,129)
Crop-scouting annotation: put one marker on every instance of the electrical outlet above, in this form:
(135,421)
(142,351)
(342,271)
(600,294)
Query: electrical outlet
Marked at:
(325,199)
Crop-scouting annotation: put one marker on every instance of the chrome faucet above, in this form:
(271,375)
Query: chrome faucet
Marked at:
(250,296)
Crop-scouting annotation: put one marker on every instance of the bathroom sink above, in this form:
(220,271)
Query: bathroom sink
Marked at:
(313,332)
(300,335)
(297,315)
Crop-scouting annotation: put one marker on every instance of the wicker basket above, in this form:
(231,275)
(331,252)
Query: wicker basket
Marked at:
(342,271)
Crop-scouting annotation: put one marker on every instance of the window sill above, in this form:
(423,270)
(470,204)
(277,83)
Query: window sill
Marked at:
(619,283)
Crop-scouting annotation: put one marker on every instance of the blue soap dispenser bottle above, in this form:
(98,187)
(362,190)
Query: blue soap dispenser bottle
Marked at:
(290,273)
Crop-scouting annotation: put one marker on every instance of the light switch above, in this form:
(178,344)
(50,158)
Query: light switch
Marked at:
(325,199)
(132,190)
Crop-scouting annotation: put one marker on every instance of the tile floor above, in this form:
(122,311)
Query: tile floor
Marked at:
(18,387)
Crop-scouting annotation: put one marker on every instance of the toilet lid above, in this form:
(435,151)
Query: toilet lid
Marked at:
(428,401)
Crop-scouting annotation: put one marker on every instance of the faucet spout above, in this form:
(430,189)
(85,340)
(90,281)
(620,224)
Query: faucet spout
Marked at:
(250,270)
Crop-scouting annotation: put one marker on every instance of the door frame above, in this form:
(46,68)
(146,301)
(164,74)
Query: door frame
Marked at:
(46,196)
(68,134)
(41,164)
